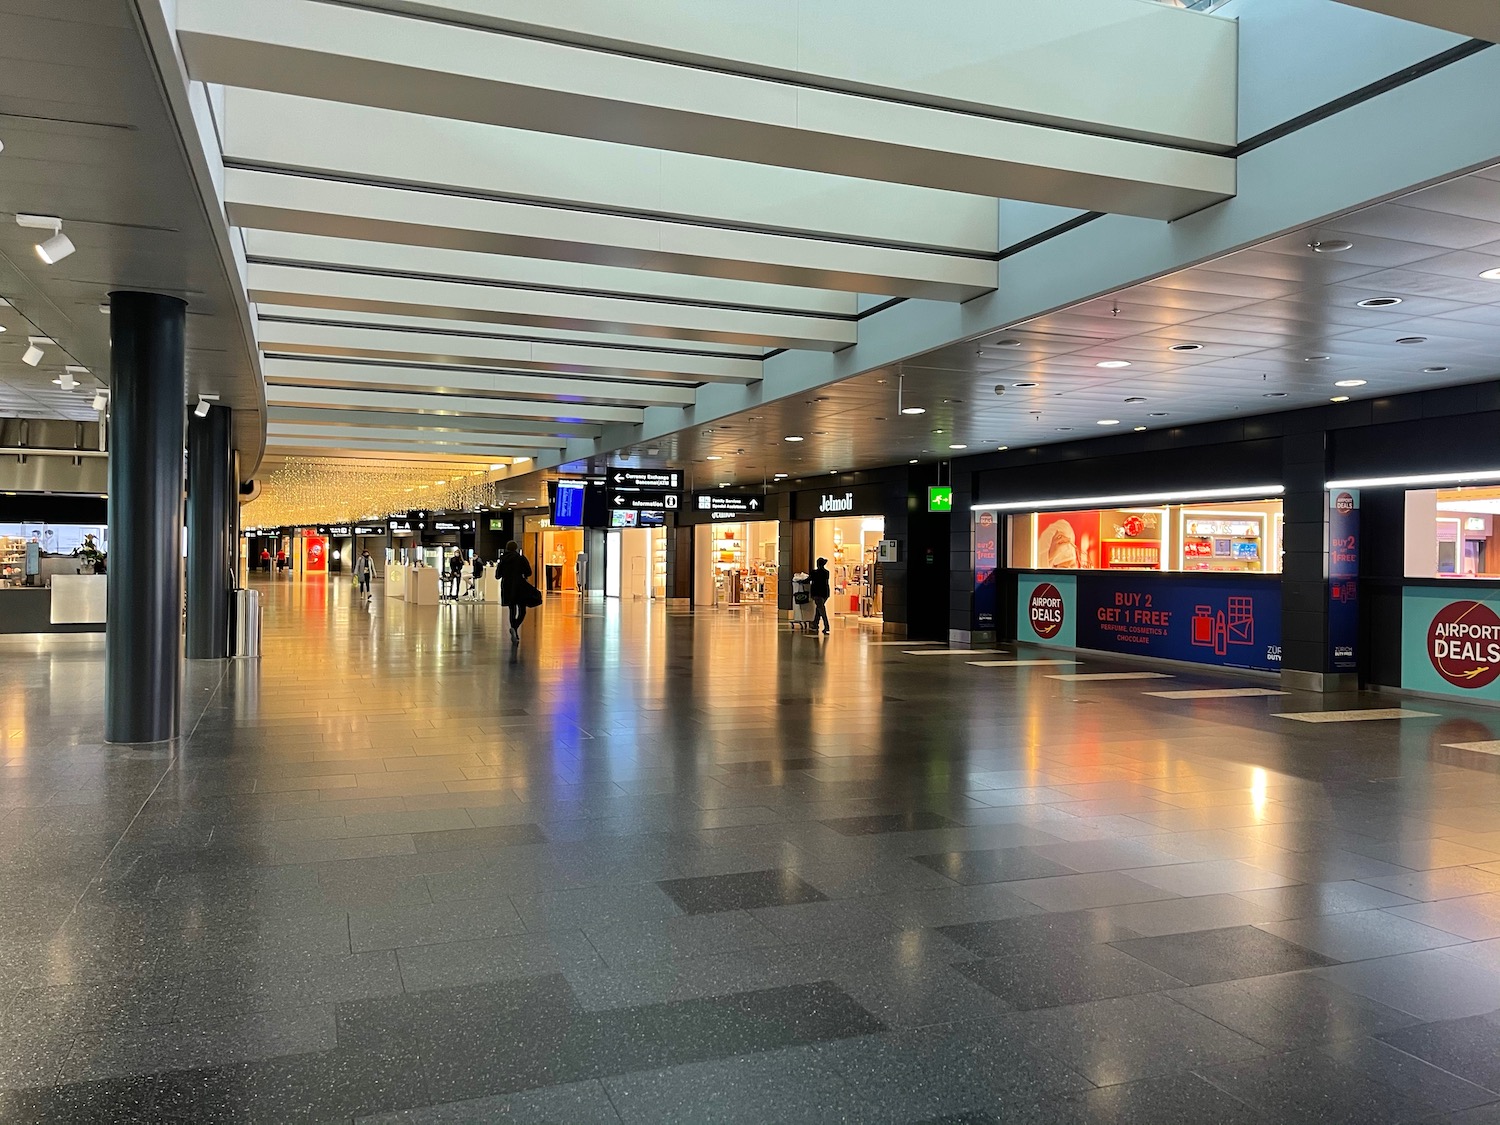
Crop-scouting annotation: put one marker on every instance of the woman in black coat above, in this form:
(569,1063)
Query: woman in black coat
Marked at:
(513,570)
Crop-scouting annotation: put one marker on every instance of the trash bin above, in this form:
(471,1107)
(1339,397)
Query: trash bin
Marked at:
(247,624)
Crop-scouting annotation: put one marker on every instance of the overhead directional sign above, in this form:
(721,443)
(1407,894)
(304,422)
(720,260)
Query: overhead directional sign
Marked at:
(644,501)
(721,505)
(645,480)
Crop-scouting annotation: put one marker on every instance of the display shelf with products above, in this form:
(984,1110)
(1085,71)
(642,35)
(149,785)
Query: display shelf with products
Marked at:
(12,561)
(658,564)
(1230,542)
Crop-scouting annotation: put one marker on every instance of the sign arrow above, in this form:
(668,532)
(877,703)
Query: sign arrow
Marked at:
(755,503)
(619,500)
(619,477)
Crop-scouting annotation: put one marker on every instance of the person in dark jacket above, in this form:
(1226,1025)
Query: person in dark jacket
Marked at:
(513,570)
(821,591)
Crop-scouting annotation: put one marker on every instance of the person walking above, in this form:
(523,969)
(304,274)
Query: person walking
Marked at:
(281,559)
(513,570)
(364,571)
(265,559)
(821,591)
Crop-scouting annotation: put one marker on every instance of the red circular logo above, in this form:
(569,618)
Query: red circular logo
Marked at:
(1463,643)
(1046,611)
(1343,503)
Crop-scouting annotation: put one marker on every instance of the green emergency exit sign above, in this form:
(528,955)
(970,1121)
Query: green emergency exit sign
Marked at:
(940,498)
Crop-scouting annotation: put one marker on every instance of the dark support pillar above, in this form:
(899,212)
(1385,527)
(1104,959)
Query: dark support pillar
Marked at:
(1305,650)
(210,514)
(143,634)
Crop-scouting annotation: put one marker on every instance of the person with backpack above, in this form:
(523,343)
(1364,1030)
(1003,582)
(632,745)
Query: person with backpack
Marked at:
(516,590)
(364,572)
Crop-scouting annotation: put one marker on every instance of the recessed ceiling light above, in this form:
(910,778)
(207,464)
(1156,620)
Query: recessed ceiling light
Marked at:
(1274,394)
(957,445)
(1135,398)
(937,431)
(1314,358)
(913,410)
(1186,348)
(1138,429)
(1412,340)
(1378,302)
(1350,383)
(913,461)
(1006,343)
(1433,370)
(1002,448)
(1158,414)
(793,437)
(779,476)
(1339,398)
(1063,429)
(1023,386)
(1491,275)
(1330,245)
(1114,364)
(713,457)
(1107,422)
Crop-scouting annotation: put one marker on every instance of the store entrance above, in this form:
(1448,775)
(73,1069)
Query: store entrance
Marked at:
(556,559)
(736,564)
(851,546)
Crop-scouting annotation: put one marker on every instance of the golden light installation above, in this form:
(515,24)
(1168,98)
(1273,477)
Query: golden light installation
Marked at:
(308,491)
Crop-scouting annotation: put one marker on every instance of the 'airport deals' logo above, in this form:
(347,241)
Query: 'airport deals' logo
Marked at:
(1343,503)
(1046,611)
(1463,643)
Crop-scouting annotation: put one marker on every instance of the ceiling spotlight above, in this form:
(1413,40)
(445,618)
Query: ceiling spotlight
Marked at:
(1314,358)
(101,401)
(1114,364)
(913,410)
(1023,386)
(1002,448)
(1186,348)
(54,249)
(1350,383)
(1158,414)
(33,354)
(1107,422)
(779,476)
(1339,398)
(913,461)
(1135,398)
(999,388)
(793,437)
(1274,394)
(1138,429)
(1008,342)
(713,457)
(1433,370)
(1412,340)
(205,404)
(1378,302)
(1330,245)
(958,446)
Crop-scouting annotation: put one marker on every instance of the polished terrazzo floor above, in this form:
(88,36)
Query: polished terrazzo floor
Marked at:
(696,869)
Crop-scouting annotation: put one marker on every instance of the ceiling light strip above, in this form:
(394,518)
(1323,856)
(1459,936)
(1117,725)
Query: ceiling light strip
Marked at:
(1259,491)
(1419,479)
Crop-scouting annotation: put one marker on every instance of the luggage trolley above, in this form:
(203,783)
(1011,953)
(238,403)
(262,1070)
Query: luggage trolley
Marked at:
(802,603)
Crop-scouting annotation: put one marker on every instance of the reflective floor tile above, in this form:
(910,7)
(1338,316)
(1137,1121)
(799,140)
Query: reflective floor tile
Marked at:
(997,865)
(1312,1087)
(1205,956)
(915,821)
(745,891)
(1050,976)
(1360,935)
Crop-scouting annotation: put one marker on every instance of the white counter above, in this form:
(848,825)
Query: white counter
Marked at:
(422,585)
(395,581)
(79,599)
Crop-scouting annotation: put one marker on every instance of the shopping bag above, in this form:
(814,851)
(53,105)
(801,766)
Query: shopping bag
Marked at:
(531,597)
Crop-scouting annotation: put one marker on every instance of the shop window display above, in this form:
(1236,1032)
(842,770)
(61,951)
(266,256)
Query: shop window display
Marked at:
(1451,533)
(1237,538)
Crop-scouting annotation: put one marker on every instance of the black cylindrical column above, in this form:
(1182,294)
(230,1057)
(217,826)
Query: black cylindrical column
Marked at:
(142,634)
(209,518)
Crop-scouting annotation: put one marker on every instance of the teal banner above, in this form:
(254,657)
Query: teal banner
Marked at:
(1047,609)
(1450,641)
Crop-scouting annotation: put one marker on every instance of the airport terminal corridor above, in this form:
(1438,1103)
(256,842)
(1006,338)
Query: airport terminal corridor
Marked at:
(651,867)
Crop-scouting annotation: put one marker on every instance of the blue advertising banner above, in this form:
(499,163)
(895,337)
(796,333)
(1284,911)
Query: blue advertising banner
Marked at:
(1047,609)
(986,569)
(1450,641)
(1232,622)
(1343,581)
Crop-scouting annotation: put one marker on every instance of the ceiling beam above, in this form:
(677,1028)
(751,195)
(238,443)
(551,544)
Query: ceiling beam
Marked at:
(466,343)
(397,377)
(359,56)
(284,201)
(517,431)
(451,405)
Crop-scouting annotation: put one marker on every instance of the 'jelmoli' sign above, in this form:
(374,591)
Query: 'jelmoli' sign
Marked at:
(845,500)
